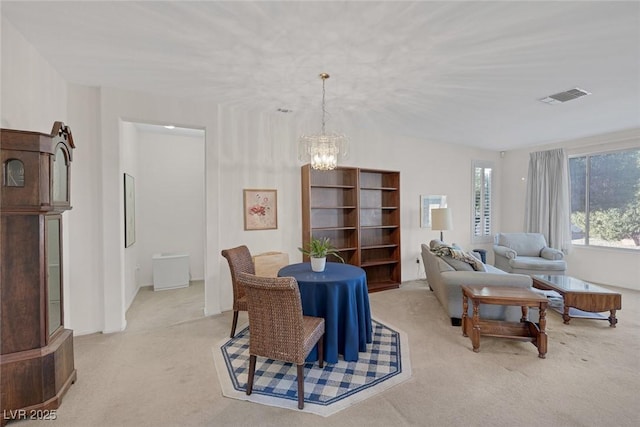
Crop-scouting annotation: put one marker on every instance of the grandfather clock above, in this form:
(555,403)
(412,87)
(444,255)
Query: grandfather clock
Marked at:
(36,351)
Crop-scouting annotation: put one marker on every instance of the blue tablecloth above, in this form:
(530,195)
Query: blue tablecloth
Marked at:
(339,294)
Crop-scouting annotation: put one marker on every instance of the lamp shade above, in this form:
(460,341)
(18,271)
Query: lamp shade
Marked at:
(441,219)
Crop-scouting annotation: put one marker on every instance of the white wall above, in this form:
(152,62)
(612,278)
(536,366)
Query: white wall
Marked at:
(256,151)
(129,161)
(170,196)
(84,297)
(34,95)
(600,265)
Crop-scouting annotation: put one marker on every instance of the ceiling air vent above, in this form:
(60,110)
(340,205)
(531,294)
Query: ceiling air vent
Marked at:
(559,98)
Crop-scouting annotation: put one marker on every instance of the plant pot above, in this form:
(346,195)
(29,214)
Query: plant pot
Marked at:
(318,264)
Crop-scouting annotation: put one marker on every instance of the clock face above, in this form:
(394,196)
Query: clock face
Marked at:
(14,173)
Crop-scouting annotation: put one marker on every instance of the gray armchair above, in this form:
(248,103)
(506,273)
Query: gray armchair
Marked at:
(527,253)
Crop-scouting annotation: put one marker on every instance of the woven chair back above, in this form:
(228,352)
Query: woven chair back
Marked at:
(240,261)
(275,317)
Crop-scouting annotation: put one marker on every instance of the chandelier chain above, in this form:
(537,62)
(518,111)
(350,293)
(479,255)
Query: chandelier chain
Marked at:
(323,107)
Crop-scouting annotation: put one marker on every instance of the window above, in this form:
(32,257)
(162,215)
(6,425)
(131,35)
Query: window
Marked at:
(14,173)
(605,199)
(482,194)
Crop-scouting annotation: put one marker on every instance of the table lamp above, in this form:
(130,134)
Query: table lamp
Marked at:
(441,219)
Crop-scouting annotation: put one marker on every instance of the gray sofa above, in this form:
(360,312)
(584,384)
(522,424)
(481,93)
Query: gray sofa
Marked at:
(446,276)
(527,253)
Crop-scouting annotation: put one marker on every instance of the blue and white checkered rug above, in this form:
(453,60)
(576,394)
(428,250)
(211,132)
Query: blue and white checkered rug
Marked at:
(327,390)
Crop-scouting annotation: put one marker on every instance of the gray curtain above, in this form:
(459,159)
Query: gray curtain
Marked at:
(548,206)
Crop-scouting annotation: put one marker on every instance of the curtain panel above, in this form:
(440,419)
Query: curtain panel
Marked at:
(548,206)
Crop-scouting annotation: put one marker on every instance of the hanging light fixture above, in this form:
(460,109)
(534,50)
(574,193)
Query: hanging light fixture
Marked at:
(322,150)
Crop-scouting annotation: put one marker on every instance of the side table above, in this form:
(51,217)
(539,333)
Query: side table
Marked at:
(524,330)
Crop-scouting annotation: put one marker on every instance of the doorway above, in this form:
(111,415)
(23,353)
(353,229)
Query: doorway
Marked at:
(168,164)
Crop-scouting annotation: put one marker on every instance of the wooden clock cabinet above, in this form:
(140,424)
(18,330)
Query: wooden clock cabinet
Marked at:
(36,350)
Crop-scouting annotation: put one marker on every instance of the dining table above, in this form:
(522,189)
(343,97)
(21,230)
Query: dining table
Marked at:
(339,294)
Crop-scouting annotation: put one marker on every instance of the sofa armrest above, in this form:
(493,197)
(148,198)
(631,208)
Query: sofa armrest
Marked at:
(504,251)
(551,253)
(475,278)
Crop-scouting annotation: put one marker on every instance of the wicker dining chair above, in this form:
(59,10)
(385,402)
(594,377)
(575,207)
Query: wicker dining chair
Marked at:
(240,261)
(277,328)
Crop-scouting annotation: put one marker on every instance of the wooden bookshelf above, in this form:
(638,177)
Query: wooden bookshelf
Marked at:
(359,210)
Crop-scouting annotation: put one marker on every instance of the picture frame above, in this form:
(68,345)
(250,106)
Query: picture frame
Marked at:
(428,202)
(260,209)
(129,210)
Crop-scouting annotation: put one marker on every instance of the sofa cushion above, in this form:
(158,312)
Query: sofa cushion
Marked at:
(457,264)
(442,265)
(536,263)
(525,244)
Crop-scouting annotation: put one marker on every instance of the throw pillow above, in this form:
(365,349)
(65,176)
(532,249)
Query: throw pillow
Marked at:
(457,258)
(457,264)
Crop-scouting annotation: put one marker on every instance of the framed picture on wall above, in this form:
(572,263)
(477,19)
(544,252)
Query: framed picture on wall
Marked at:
(260,209)
(129,210)
(428,202)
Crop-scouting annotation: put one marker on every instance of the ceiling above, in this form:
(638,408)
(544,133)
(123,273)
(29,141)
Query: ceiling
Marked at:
(454,72)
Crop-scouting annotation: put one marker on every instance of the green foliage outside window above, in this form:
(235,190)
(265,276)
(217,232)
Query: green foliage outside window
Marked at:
(610,185)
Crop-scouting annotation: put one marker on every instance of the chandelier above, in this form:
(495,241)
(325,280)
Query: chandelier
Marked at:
(322,150)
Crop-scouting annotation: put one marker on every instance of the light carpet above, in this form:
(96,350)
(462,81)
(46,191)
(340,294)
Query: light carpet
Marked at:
(327,390)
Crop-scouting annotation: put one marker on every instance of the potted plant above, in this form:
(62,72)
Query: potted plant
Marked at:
(317,250)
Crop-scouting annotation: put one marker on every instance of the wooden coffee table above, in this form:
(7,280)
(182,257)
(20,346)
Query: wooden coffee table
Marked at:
(504,295)
(581,295)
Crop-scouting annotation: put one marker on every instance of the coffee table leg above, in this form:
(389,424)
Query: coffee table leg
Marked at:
(612,319)
(525,311)
(475,333)
(542,337)
(565,315)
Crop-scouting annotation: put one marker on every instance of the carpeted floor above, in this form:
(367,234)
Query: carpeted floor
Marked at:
(328,390)
(159,372)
